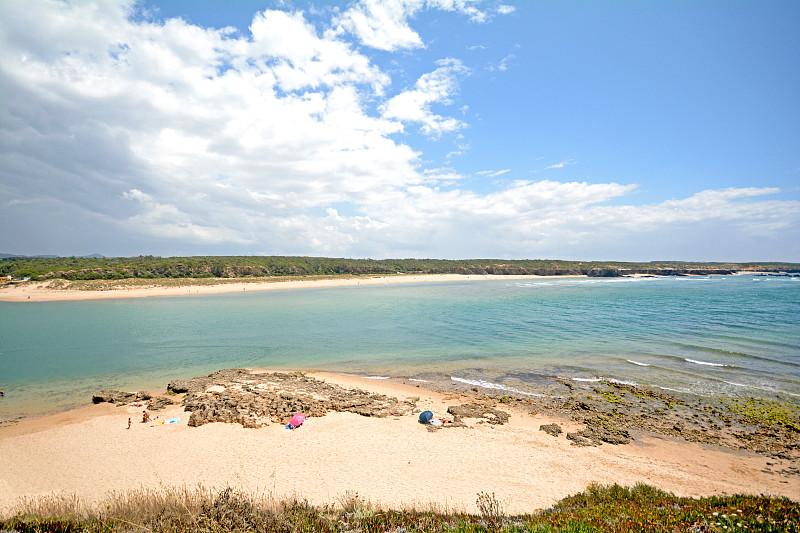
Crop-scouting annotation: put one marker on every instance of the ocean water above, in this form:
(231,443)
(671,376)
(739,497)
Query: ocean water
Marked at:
(715,336)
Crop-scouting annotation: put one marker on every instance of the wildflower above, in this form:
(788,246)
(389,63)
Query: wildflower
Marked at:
(715,513)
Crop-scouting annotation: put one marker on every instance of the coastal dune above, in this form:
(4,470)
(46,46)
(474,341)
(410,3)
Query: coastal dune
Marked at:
(393,462)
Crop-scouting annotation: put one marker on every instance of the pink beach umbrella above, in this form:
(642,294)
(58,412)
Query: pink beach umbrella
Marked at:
(297,420)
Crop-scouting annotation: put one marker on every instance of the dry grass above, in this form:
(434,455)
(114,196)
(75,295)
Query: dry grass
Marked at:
(612,509)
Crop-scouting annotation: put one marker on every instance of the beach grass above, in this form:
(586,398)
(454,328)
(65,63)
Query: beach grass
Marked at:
(597,509)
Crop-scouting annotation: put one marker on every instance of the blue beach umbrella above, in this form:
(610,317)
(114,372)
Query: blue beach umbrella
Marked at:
(425,417)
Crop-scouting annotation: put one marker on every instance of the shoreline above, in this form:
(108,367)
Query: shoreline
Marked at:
(392,461)
(52,290)
(47,291)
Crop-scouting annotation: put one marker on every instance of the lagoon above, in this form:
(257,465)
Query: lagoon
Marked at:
(709,336)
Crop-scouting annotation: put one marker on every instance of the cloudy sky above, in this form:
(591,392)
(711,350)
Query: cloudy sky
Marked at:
(401,128)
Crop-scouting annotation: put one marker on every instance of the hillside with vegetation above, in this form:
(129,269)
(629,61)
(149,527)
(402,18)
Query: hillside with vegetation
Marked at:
(152,267)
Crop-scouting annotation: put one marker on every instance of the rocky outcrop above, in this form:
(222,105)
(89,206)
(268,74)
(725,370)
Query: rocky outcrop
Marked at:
(487,414)
(597,431)
(551,429)
(159,402)
(119,397)
(256,399)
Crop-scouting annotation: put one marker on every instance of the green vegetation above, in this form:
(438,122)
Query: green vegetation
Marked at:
(611,397)
(766,412)
(598,509)
(150,267)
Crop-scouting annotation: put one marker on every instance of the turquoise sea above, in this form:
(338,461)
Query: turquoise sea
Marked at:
(737,335)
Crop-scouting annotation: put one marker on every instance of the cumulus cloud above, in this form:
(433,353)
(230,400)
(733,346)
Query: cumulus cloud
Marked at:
(414,105)
(384,24)
(123,135)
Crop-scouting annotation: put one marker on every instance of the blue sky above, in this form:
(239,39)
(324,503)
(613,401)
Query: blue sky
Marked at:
(425,128)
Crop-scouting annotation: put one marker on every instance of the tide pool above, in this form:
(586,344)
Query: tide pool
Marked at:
(731,336)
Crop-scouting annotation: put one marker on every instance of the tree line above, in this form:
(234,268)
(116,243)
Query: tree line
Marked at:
(147,266)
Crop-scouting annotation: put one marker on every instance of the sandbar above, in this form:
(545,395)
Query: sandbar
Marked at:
(393,462)
(34,291)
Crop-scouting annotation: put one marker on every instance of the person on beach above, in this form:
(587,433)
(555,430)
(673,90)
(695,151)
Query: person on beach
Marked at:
(426,417)
(145,417)
(2,393)
(129,423)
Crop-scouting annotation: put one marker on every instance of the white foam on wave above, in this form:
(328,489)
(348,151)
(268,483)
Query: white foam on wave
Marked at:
(530,284)
(704,363)
(676,390)
(587,380)
(376,377)
(621,382)
(768,389)
(490,385)
(419,380)
(637,363)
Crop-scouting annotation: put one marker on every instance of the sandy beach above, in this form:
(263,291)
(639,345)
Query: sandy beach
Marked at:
(47,290)
(393,461)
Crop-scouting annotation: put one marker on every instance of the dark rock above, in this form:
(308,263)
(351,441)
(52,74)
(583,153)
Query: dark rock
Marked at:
(600,430)
(159,402)
(551,429)
(179,386)
(579,440)
(119,397)
(489,414)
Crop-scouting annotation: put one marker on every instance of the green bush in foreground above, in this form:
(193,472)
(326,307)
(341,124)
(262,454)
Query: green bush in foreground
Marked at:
(598,509)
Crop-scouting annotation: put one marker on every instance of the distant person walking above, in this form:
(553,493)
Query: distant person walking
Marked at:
(2,393)
(129,423)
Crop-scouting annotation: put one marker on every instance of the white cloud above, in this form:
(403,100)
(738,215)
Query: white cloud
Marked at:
(503,65)
(382,25)
(123,136)
(574,219)
(493,173)
(505,9)
(562,164)
(414,105)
